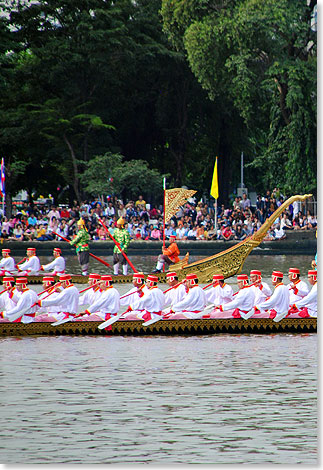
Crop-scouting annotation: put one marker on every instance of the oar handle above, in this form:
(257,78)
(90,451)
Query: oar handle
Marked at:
(23,259)
(55,285)
(211,283)
(117,244)
(89,287)
(173,287)
(130,293)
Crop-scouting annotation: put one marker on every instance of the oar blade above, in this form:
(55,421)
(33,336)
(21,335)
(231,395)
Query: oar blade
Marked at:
(60,322)
(150,322)
(109,322)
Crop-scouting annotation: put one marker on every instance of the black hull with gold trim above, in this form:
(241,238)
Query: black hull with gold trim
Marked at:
(164,327)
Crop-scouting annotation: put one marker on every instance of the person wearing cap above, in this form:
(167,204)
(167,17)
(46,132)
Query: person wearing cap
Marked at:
(90,295)
(7,263)
(31,266)
(122,236)
(151,304)
(170,255)
(107,302)
(57,265)
(242,302)
(177,291)
(220,292)
(297,288)
(278,303)
(48,282)
(261,289)
(6,302)
(25,301)
(194,302)
(307,306)
(67,299)
(133,296)
(81,242)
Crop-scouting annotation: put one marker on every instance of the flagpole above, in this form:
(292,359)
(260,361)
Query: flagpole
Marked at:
(164,187)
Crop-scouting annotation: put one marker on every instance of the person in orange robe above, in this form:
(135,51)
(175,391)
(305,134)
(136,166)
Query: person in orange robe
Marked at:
(169,256)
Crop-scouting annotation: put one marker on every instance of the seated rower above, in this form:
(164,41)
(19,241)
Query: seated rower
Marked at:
(57,265)
(307,306)
(52,312)
(107,301)
(67,300)
(6,302)
(132,298)
(278,304)
(7,263)
(169,256)
(297,288)
(242,302)
(262,292)
(151,304)
(192,305)
(90,295)
(31,266)
(220,292)
(25,301)
(177,290)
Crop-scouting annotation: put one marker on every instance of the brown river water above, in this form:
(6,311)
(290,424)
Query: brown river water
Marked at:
(213,399)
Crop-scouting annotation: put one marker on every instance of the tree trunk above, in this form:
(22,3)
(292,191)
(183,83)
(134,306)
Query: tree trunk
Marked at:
(76,180)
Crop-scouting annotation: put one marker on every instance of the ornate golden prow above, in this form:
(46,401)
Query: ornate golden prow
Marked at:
(261,233)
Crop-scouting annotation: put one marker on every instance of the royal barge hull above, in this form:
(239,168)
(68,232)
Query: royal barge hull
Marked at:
(163,327)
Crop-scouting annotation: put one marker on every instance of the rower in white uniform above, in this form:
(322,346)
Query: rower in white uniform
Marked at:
(6,302)
(31,266)
(262,292)
(133,296)
(49,288)
(107,300)
(278,303)
(25,301)
(220,292)
(307,306)
(176,292)
(90,295)
(297,288)
(194,302)
(243,300)
(151,304)
(67,299)
(7,263)
(57,266)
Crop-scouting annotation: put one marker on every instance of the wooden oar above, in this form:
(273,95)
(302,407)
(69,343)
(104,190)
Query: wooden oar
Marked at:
(135,292)
(116,243)
(23,259)
(91,254)
(110,321)
(89,287)
(55,285)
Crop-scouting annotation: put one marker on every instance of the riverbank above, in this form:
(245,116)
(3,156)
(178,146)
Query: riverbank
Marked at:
(299,242)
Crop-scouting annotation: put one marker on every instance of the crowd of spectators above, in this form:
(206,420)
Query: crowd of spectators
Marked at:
(194,221)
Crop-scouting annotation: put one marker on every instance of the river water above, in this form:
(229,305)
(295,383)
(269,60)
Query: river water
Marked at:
(213,399)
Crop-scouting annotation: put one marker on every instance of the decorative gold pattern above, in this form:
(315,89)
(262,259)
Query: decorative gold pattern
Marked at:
(165,327)
(174,198)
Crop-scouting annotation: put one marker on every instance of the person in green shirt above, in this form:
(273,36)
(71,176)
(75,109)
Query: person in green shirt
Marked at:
(122,236)
(81,242)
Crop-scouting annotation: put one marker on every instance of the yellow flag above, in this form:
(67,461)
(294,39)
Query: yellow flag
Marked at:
(214,187)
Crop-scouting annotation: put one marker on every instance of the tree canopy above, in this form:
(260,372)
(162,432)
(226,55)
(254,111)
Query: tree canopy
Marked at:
(163,86)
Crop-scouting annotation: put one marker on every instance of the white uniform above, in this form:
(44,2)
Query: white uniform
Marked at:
(152,302)
(6,302)
(175,295)
(57,266)
(107,302)
(89,296)
(309,301)
(30,267)
(23,307)
(51,310)
(297,291)
(7,265)
(132,298)
(67,300)
(262,291)
(243,300)
(220,294)
(279,301)
(192,305)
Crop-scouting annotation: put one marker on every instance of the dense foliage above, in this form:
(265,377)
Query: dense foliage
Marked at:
(97,89)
